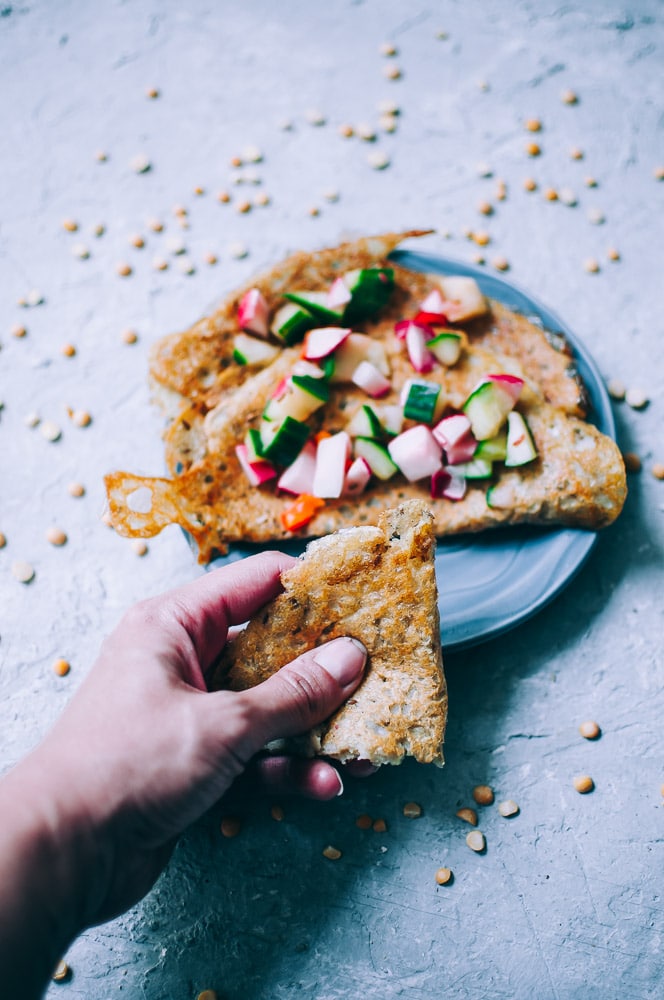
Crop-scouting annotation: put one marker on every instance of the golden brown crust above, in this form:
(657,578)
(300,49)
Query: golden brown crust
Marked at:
(377,584)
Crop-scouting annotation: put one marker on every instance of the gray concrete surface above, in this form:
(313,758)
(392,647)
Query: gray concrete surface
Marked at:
(568,898)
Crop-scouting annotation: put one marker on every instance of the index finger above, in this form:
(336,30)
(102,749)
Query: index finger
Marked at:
(226,596)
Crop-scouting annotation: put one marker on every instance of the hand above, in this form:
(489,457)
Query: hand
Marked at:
(144,749)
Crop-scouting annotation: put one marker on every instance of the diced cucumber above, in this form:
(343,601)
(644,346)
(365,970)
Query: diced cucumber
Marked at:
(446,347)
(486,408)
(376,456)
(420,400)
(253,445)
(370,289)
(314,386)
(302,396)
(290,323)
(520,445)
(282,442)
(356,348)
(250,351)
(316,304)
(478,468)
(493,449)
(365,423)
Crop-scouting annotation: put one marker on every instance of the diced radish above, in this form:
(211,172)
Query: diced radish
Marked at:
(299,476)
(256,472)
(512,384)
(456,438)
(357,477)
(461,296)
(253,312)
(449,484)
(339,294)
(331,456)
(322,341)
(401,328)
(280,389)
(302,367)
(358,347)
(416,452)
(420,357)
(434,303)
(367,377)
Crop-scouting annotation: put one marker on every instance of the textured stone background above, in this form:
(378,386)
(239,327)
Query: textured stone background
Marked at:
(568,897)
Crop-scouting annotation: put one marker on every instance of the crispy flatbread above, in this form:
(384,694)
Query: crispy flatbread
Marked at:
(578,478)
(378,584)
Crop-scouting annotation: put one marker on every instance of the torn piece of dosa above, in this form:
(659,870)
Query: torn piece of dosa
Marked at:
(377,584)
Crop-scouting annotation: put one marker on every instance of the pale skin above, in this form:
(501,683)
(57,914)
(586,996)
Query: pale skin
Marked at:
(90,817)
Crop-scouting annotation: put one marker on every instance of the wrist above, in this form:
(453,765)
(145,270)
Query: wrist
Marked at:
(48,859)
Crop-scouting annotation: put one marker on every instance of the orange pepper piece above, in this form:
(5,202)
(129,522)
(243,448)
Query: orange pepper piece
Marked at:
(300,512)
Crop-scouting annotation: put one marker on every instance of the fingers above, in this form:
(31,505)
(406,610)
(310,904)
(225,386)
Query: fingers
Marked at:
(312,779)
(227,596)
(306,691)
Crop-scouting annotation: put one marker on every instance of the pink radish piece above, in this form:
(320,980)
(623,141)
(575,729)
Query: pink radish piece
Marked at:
(253,312)
(367,377)
(331,456)
(416,452)
(401,329)
(357,477)
(420,356)
(456,438)
(449,484)
(338,295)
(256,472)
(435,305)
(299,476)
(322,341)
(511,384)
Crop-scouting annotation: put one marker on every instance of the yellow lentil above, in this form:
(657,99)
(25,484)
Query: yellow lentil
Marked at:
(590,730)
(569,97)
(198,190)
(262,199)
(207,995)
(346,131)
(223,197)
(137,241)
(139,546)
(101,156)
(81,251)
(388,49)
(156,225)
(584,784)
(129,336)
(467,815)
(500,263)
(632,461)
(551,194)
(76,490)
(485,208)
(482,239)
(243,207)
(657,471)
(364,821)
(19,331)
(379,826)
(388,123)
(230,826)
(443,876)
(590,182)
(508,808)
(71,225)
(152,93)
(81,418)
(392,72)
(658,173)
(476,840)
(412,810)
(123,269)
(61,667)
(179,210)
(68,350)
(576,153)
(533,125)
(61,972)
(56,536)
(533,149)
(612,254)
(483,795)
(210,258)
(331,853)
(3,540)
(591,265)
(277,813)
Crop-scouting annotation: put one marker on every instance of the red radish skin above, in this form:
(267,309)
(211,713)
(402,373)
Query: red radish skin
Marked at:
(357,477)
(299,476)
(374,383)
(416,452)
(401,328)
(321,342)
(253,313)
(448,484)
(512,384)
(331,457)
(454,435)
(256,472)
(419,355)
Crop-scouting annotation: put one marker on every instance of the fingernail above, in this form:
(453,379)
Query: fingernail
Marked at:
(341,785)
(343,658)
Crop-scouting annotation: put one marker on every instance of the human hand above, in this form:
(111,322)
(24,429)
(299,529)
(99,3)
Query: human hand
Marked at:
(144,749)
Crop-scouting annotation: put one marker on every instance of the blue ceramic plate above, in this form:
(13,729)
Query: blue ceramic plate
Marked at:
(491,582)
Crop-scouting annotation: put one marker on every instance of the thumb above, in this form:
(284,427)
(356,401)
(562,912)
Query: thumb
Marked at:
(307,690)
